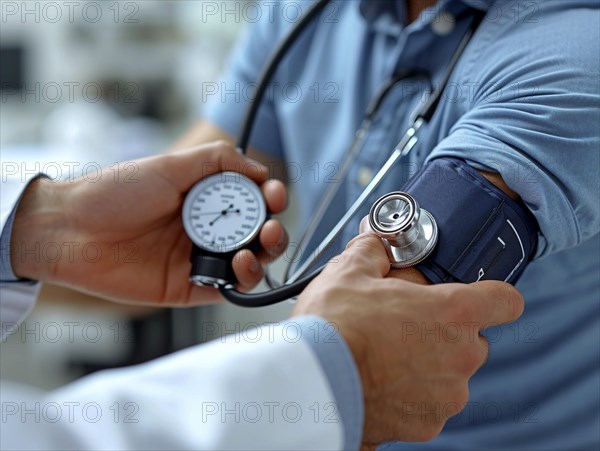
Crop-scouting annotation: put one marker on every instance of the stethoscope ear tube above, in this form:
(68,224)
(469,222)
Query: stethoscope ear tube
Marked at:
(295,285)
(425,113)
(271,297)
(270,68)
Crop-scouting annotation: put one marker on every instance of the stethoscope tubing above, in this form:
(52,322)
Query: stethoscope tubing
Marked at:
(347,162)
(406,144)
(298,280)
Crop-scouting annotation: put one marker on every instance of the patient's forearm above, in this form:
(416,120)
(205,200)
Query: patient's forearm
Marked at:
(204,132)
(497,180)
(200,133)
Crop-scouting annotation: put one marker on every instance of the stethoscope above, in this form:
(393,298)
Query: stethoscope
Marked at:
(225,212)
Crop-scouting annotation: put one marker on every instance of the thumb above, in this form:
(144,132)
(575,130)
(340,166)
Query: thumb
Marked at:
(367,253)
(364,225)
(188,166)
(497,303)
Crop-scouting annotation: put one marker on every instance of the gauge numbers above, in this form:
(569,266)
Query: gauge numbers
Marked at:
(224,212)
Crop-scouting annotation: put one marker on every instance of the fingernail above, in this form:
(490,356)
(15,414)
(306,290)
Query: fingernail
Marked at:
(254,267)
(281,238)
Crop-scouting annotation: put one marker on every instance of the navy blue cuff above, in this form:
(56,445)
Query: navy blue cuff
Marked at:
(338,364)
(483,233)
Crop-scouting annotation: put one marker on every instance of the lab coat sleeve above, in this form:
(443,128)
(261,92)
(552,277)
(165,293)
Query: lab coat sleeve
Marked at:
(533,116)
(261,389)
(17,297)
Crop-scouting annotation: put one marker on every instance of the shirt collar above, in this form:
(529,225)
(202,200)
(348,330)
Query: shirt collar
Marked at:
(371,10)
(392,13)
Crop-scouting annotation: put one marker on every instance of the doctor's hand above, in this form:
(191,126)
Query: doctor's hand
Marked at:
(121,237)
(415,346)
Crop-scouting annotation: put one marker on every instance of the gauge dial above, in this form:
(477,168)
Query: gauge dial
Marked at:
(224,212)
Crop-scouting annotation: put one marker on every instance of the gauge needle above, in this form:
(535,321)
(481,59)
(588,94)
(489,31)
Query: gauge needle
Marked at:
(213,212)
(224,213)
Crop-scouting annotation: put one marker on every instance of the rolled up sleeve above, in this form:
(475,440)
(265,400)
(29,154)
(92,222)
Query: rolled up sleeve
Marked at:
(534,117)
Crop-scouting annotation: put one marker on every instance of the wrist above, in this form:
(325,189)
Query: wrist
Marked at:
(370,364)
(34,242)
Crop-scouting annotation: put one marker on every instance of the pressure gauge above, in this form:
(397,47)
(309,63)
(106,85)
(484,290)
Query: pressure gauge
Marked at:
(222,214)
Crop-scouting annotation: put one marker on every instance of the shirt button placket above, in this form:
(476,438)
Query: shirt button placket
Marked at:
(443,24)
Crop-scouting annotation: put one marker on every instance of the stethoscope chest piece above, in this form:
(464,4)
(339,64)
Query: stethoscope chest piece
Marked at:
(409,232)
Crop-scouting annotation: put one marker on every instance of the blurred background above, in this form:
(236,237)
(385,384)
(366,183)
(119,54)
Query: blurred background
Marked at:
(92,83)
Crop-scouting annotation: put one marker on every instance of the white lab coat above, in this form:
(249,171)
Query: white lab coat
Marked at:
(267,393)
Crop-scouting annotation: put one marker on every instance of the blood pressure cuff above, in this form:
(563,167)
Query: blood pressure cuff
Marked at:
(483,233)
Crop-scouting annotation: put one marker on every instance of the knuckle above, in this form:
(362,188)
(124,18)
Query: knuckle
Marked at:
(456,401)
(485,348)
(353,242)
(354,257)
(448,294)
(470,359)
(364,249)
(221,153)
(458,302)
(429,431)
(367,240)
(461,398)
(223,146)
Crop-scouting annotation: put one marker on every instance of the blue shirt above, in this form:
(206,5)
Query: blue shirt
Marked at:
(523,101)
